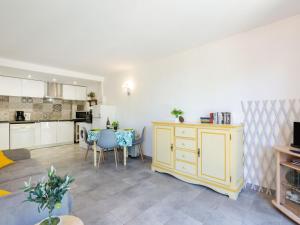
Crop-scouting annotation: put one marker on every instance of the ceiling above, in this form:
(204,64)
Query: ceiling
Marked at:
(105,36)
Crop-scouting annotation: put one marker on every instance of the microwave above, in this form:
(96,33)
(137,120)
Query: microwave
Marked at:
(81,114)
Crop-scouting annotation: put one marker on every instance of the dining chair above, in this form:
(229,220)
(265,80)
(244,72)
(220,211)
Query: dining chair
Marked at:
(139,143)
(107,141)
(84,136)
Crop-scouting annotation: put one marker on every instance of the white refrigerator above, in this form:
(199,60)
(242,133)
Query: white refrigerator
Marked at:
(101,113)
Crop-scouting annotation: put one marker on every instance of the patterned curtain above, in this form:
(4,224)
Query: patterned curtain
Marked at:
(267,123)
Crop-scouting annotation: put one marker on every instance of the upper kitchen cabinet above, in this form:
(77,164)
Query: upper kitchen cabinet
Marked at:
(33,88)
(10,86)
(71,92)
(80,93)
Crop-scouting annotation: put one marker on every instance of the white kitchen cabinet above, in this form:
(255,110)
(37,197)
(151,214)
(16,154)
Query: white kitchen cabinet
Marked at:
(68,92)
(4,136)
(22,135)
(33,88)
(71,92)
(10,86)
(37,134)
(80,93)
(48,133)
(65,132)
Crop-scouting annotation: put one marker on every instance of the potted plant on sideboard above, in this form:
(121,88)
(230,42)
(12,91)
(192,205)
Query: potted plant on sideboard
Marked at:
(177,112)
(48,194)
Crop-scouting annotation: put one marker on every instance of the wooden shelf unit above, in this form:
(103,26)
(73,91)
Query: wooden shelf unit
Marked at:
(289,208)
(290,165)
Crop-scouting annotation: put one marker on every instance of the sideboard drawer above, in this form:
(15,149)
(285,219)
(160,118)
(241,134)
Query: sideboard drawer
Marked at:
(186,156)
(185,143)
(185,132)
(185,168)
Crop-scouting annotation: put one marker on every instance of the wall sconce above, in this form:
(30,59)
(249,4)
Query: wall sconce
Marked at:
(128,86)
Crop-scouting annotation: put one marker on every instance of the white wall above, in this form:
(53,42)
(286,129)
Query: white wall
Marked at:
(259,64)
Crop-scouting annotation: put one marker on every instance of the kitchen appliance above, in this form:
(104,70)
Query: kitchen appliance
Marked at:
(296,142)
(81,126)
(27,116)
(20,116)
(101,113)
(81,114)
(54,90)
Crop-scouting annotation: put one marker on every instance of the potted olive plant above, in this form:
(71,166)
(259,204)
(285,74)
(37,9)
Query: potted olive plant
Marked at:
(115,125)
(91,95)
(177,112)
(48,194)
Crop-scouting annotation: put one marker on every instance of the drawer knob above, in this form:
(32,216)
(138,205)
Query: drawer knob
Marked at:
(182,156)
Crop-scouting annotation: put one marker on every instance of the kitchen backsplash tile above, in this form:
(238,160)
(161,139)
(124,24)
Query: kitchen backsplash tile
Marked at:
(38,107)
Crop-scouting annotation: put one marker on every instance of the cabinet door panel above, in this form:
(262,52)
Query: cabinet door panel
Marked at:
(65,132)
(48,133)
(80,93)
(69,92)
(164,146)
(33,88)
(4,139)
(213,160)
(10,86)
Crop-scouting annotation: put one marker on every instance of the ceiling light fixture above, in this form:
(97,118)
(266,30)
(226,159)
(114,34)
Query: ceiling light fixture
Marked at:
(74,82)
(29,76)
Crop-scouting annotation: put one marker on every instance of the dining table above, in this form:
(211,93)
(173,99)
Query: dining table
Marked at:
(124,137)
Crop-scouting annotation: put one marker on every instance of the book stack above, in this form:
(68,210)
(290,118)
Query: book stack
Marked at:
(205,120)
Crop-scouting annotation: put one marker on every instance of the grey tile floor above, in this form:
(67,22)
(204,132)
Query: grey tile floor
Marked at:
(136,196)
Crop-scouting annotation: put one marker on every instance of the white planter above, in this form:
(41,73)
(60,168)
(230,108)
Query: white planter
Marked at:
(176,120)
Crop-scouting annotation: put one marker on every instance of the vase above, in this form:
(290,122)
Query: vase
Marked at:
(176,120)
(54,221)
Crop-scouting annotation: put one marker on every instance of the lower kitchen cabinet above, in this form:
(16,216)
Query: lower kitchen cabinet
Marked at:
(22,135)
(48,133)
(65,132)
(36,135)
(4,136)
(61,132)
(204,154)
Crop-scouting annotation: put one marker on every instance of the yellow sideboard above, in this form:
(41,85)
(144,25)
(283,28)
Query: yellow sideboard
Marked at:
(205,154)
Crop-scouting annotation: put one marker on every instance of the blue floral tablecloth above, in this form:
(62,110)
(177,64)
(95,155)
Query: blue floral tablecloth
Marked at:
(125,138)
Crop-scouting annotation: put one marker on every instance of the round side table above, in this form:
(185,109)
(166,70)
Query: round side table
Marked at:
(69,220)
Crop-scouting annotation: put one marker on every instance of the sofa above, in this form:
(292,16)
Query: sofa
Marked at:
(14,211)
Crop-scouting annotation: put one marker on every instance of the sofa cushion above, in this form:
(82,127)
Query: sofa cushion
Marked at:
(4,161)
(4,193)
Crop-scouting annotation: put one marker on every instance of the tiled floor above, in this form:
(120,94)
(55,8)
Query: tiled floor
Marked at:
(136,196)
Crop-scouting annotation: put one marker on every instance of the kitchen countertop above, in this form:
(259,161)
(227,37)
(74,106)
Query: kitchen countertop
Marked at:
(39,121)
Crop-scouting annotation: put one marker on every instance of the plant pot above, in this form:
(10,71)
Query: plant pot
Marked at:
(54,221)
(176,120)
(115,128)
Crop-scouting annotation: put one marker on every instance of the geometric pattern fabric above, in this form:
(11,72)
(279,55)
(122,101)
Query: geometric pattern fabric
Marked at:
(266,123)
